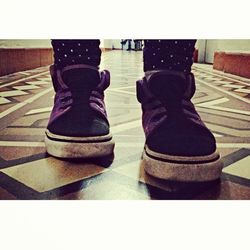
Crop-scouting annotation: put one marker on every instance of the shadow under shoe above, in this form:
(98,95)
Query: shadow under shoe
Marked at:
(78,125)
(178,144)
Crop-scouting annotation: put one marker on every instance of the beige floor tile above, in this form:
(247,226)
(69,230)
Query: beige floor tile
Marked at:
(18,132)
(106,191)
(12,153)
(240,168)
(50,173)
(26,87)
(12,93)
(3,100)
(135,170)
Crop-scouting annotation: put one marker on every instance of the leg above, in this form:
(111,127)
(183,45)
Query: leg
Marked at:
(71,52)
(178,144)
(129,45)
(78,125)
(168,54)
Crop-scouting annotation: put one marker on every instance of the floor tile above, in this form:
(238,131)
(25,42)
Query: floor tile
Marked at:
(106,191)
(240,168)
(3,100)
(50,173)
(12,93)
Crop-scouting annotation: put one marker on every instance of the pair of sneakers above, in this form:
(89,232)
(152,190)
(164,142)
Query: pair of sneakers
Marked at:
(178,145)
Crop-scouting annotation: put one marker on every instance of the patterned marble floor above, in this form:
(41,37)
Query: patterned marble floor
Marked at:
(27,172)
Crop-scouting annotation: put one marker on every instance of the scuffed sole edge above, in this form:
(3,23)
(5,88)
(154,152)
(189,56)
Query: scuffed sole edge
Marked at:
(62,149)
(185,172)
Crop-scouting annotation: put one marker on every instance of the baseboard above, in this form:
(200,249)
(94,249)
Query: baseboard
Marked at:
(14,60)
(105,49)
(19,59)
(236,63)
(195,55)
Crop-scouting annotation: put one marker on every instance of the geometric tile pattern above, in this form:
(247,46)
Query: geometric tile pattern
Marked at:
(27,172)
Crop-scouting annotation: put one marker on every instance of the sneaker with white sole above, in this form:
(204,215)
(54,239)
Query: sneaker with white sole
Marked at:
(78,126)
(179,147)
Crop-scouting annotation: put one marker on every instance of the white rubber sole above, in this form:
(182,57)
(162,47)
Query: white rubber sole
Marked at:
(180,168)
(78,147)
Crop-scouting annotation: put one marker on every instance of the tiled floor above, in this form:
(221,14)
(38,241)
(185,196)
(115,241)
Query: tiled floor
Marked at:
(27,172)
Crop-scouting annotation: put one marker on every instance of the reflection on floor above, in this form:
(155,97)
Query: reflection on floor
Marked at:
(27,172)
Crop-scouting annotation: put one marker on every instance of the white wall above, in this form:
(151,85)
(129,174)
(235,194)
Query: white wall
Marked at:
(25,43)
(43,43)
(117,43)
(111,43)
(201,46)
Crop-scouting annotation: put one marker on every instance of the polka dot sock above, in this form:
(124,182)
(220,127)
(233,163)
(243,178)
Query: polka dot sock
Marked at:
(70,52)
(157,54)
(168,54)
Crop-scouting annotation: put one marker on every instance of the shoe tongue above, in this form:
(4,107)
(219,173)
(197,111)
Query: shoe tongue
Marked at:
(81,80)
(168,87)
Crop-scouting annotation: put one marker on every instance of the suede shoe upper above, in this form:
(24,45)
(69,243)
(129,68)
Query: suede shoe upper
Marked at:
(79,108)
(170,121)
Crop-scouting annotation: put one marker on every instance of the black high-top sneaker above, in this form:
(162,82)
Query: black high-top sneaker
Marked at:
(178,146)
(78,125)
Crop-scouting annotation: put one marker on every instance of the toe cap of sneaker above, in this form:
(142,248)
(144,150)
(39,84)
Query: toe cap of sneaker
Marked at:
(183,145)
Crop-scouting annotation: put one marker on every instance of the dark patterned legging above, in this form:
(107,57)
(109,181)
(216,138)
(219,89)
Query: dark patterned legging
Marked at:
(157,54)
